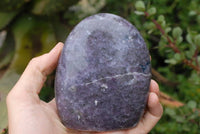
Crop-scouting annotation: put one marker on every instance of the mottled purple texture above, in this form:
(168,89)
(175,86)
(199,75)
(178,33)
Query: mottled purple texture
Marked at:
(103,75)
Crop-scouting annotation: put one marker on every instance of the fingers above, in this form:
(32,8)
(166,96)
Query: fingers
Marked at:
(154,106)
(155,110)
(38,68)
(153,113)
(52,104)
(153,99)
(154,87)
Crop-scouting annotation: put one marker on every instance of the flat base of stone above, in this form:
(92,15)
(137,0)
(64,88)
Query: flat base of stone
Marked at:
(73,131)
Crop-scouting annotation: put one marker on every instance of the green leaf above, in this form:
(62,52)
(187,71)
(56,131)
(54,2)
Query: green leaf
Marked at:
(192,104)
(198,59)
(6,18)
(179,40)
(2,38)
(7,51)
(186,128)
(171,61)
(192,13)
(139,13)
(189,54)
(149,25)
(189,38)
(150,31)
(162,43)
(140,6)
(177,32)
(161,18)
(30,34)
(151,11)
(178,57)
(198,18)
(195,78)
(170,112)
(197,40)
(180,119)
(168,29)
(163,24)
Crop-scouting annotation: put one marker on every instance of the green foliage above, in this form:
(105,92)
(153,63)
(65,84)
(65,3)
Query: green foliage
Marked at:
(139,5)
(183,120)
(6,18)
(177,32)
(197,40)
(49,7)
(27,35)
(7,51)
(151,11)
(11,5)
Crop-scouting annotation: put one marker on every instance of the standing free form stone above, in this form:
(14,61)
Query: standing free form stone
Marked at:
(103,75)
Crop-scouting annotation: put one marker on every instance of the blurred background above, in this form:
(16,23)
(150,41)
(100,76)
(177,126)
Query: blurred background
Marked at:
(171,29)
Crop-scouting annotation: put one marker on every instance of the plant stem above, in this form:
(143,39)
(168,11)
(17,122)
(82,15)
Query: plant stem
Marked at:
(195,56)
(173,46)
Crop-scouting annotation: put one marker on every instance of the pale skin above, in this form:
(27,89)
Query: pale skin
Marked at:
(27,114)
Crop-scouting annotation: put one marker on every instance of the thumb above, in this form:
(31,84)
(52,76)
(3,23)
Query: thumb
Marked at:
(34,76)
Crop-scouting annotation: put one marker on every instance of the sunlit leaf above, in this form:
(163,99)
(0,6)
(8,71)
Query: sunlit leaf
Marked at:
(7,51)
(139,13)
(140,6)
(170,111)
(151,11)
(177,32)
(179,40)
(168,29)
(192,104)
(192,13)
(177,57)
(5,18)
(197,40)
(161,18)
(171,61)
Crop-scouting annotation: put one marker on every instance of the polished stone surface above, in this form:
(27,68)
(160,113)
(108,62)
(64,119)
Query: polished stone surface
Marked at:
(103,75)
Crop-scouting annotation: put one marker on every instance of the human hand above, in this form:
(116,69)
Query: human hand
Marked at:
(27,114)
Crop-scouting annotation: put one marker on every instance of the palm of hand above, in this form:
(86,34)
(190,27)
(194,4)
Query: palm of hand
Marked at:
(29,115)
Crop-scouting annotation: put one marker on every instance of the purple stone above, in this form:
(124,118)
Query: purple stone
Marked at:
(103,75)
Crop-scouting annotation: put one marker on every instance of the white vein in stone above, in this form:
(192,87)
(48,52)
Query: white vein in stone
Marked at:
(110,77)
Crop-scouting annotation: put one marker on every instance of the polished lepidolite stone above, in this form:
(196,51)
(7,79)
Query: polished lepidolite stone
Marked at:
(103,75)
